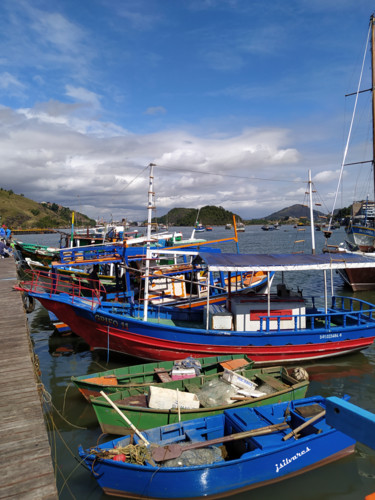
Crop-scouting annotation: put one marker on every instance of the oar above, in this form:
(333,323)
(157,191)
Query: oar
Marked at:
(305,424)
(139,434)
(174,450)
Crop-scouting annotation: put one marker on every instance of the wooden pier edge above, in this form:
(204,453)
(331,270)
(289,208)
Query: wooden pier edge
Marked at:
(25,454)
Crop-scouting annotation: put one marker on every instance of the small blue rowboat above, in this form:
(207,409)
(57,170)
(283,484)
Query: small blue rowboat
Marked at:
(255,446)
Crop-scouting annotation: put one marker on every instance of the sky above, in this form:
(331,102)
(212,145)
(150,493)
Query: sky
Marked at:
(234,101)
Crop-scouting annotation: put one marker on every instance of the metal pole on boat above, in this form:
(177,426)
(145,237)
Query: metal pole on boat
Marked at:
(372,20)
(311,216)
(208,298)
(150,207)
(325,292)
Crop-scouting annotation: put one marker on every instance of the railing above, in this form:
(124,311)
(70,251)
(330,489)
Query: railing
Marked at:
(344,312)
(47,283)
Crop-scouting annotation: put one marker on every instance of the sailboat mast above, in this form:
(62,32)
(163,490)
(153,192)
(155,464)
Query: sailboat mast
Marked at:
(372,20)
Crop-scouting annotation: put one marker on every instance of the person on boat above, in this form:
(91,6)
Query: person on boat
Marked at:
(93,280)
(3,232)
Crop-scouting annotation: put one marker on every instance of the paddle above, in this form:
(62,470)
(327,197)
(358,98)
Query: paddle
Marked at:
(174,450)
(305,424)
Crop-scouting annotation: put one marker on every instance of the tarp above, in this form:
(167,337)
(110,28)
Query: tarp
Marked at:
(233,262)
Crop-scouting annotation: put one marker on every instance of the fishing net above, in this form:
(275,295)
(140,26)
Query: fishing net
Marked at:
(216,393)
(202,456)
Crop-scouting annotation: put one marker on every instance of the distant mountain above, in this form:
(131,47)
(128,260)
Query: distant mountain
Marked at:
(294,212)
(19,212)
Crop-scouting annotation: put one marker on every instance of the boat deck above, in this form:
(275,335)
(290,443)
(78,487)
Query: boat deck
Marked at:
(26,465)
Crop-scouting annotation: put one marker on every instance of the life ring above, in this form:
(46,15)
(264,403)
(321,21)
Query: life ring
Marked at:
(28,303)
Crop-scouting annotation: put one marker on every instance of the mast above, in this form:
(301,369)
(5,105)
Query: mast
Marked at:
(372,20)
(150,208)
(311,217)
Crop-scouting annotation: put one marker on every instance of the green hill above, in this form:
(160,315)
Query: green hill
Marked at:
(19,212)
(209,214)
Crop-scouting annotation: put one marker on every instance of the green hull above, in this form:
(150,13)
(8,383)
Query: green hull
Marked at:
(284,386)
(111,381)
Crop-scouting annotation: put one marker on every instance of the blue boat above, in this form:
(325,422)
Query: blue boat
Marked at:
(256,446)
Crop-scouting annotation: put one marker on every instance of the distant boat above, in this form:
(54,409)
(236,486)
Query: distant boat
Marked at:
(240,227)
(208,228)
(221,455)
(199,228)
(228,226)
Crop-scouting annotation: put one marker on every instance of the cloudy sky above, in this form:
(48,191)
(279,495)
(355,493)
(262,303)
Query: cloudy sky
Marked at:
(233,100)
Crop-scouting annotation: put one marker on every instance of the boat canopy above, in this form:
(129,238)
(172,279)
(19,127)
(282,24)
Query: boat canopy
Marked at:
(233,262)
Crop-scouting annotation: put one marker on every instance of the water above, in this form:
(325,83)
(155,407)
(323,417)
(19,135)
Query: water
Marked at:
(71,421)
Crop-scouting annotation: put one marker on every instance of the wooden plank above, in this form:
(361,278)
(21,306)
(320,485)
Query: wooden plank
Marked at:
(271,381)
(25,453)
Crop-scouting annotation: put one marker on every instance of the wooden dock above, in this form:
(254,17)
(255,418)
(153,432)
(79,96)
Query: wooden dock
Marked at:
(25,454)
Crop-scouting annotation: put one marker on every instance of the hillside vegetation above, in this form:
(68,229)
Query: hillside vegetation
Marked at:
(209,214)
(19,212)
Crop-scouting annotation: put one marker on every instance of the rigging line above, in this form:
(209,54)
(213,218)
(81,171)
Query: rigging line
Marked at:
(131,182)
(351,127)
(231,175)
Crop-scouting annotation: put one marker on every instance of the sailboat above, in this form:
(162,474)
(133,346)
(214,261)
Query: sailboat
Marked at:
(361,228)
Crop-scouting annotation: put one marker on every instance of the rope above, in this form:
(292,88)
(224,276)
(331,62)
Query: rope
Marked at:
(48,400)
(134,453)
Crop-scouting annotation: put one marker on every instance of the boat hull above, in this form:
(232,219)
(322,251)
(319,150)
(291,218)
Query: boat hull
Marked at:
(144,417)
(263,459)
(359,279)
(162,342)
(113,380)
(361,236)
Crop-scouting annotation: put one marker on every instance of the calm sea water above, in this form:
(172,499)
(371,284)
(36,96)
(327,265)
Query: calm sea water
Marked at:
(71,421)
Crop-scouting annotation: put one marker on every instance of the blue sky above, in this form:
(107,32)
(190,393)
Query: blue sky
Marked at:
(233,100)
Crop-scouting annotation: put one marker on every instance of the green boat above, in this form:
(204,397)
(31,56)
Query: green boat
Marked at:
(114,380)
(214,395)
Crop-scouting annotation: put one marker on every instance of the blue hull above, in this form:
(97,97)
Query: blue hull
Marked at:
(266,458)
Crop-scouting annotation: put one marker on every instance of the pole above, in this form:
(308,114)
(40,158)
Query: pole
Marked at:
(311,217)
(150,208)
(72,231)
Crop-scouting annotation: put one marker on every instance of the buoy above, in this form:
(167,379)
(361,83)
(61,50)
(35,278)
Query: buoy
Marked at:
(300,373)
(119,458)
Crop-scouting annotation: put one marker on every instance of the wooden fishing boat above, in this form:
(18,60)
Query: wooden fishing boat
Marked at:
(216,456)
(42,253)
(114,380)
(282,327)
(205,395)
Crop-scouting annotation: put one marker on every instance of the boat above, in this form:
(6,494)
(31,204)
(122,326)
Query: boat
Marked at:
(43,253)
(360,231)
(208,228)
(199,228)
(187,398)
(114,380)
(240,227)
(220,455)
(228,226)
(281,326)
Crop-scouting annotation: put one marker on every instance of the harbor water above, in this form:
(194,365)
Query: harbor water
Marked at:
(71,421)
